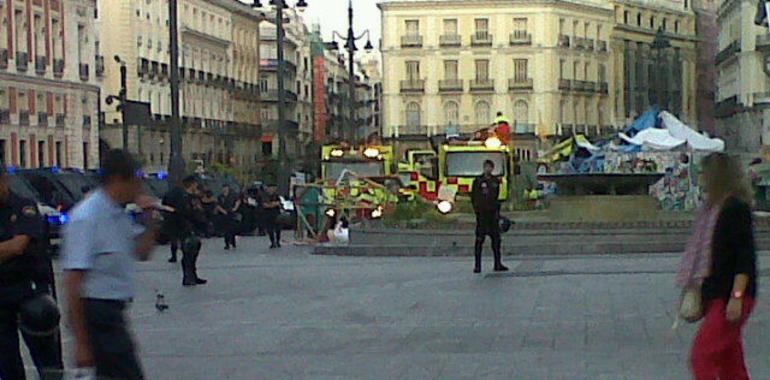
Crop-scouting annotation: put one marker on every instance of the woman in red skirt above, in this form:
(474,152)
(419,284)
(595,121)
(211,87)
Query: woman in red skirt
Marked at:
(722,261)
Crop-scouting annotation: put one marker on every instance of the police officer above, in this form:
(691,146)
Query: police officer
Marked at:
(24,275)
(229,205)
(271,206)
(185,217)
(484,195)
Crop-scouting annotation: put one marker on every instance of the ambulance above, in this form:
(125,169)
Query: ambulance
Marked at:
(365,161)
(418,173)
(460,162)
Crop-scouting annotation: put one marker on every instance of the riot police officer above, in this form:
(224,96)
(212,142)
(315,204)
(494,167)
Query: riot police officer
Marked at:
(24,278)
(184,218)
(271,206)
(229,205)
(484,195)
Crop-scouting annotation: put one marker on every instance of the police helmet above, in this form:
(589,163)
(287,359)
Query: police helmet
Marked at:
(505,224)
(191,245)
(39,316)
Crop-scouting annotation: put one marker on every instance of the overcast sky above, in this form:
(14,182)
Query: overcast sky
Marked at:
(333,15)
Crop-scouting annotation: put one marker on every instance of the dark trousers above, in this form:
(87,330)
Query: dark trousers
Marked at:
(174,242)
(190,266)
(230,229)
(273,231)
(111,343)
(487,224)
(43,349)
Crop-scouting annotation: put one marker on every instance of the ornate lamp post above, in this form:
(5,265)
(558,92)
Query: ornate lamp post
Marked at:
(284,170)
(660,43)
(350,45)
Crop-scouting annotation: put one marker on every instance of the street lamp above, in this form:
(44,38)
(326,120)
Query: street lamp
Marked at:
(122,97)
(283,171)
(176,164)
(350,45)
(660,43)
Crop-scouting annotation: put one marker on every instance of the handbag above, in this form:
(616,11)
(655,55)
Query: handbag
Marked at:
(691,304)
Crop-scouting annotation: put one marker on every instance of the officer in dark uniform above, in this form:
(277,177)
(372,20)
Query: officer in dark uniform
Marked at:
(485,193)
(183,221)
(229,205)
(24,274)
(271,206)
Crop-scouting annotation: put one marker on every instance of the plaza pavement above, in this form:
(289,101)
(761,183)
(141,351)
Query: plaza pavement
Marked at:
(286,314)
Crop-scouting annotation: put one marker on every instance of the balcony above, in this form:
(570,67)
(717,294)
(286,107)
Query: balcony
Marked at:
(271,64)
(40,65)
(481,39)
(521,37)
(60,119)
(272,96)
(565,84)
(21,60)
(564,41)
(86,122)
(601,46)
(42,119)
(191,75)
(411,41)
(728,51)
(451,40)
(519,84)
(210,79)
(582,85)
(524,128)
(451,85)
(273,126)
(58,67)
(763,42)
(413,85)
(84,71)
(579,42)
(482,85)
(164,70)
(154,70)
(99,68)
(3,59)
(5,116)
(201,76)
(589,43)
(604,88)
(23,117)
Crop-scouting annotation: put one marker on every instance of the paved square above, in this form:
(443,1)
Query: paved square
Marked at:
(290,315)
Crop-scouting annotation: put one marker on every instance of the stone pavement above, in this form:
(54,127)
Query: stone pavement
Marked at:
(290,315)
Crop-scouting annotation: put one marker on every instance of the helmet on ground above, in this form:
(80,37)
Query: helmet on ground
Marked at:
(39,315)
(505,224)
(191,245)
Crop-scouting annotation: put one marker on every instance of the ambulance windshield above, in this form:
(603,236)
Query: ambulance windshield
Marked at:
(471,164)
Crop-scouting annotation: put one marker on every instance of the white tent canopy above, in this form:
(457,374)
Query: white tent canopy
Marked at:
(674,134)
(695,140)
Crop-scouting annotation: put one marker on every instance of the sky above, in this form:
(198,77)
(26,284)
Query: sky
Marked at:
(332,15)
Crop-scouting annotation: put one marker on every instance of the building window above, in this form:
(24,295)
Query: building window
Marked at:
(450,70)
(482,70)
(652,22)
(413,70)
(450,27)
(482,28)
(520,70)
(22,153)
(57,152)
(451,113)
(664,24)
(482,113)
(676,26)
(2,152)
(562,69)
(412,27)
(638,19)
(602,74)
(41,154)
(413,114)
(625,17)
(520,26)
(267,148)
(521,112)
(85,155)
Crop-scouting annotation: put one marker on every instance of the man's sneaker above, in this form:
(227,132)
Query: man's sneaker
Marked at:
(172,260)
(200,281)
(476,270)
(501,268)
(189,283)
(227,248)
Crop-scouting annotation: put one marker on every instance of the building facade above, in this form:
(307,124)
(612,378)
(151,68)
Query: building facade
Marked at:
(743,89)
(50,71)
(707,30)
(664,74)
(298,83)
(218,71)
(552,67)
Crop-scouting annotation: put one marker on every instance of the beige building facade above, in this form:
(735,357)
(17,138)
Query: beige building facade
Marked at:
(743,87)
(552,67)
(50,70)
(219,78)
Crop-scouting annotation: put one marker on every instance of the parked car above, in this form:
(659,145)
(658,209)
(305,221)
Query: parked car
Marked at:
(54,219)
(52,191)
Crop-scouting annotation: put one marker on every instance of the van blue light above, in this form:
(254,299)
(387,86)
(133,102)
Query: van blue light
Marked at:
(162,175)
(11,169)
(55,170)
(63,218)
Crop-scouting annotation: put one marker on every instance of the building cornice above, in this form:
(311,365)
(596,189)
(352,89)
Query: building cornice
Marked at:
(58,83)
(423,4)
(204,36)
